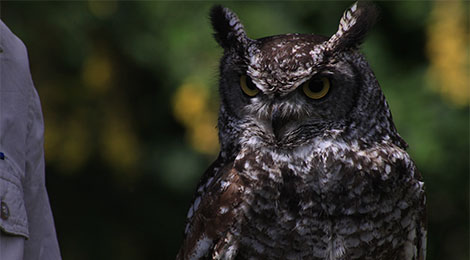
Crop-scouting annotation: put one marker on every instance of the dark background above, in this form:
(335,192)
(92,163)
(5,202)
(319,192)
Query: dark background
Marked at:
(129,97)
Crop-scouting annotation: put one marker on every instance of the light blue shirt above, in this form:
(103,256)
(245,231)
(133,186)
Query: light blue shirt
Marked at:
(26,223)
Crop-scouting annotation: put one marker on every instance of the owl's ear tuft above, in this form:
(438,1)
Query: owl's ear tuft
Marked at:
(228,30)
(353,26)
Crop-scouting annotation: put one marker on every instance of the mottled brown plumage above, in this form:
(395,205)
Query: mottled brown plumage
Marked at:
(311,165)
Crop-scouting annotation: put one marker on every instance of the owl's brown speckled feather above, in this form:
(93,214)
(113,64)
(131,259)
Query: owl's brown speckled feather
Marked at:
(302,176)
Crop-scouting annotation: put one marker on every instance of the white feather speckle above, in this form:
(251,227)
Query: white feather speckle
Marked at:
(223,210)
(388,169)
(202,245)
(190,212)
(196,203)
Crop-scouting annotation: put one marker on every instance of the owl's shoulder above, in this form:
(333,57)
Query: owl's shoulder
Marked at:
(212,212)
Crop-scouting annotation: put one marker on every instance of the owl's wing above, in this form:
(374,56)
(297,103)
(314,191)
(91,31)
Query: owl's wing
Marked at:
(421,229)
(422,237)
(212,215)
(415,241)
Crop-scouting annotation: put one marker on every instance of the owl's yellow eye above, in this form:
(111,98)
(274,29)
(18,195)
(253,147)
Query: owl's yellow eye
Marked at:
(248,86)
(316,88)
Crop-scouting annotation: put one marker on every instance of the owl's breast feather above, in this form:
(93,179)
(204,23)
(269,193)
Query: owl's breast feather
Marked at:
(332,197)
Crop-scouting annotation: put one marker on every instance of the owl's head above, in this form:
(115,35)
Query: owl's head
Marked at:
(286,90)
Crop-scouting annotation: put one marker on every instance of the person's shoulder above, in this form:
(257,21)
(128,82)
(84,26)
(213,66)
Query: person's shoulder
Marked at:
(12,47)
(14,61)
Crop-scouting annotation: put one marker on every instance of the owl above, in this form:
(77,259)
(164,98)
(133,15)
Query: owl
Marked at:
(311,165)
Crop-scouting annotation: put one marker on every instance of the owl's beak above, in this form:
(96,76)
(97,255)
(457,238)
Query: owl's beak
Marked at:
(278,121)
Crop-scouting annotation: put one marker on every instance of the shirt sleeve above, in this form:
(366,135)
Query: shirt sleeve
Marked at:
(22,146)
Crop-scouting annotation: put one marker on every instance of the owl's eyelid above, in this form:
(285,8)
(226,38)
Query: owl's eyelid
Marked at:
(319,75)
(251,79)
(324,72)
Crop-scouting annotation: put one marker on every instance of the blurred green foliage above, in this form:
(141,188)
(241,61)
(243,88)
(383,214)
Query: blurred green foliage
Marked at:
(122,157)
